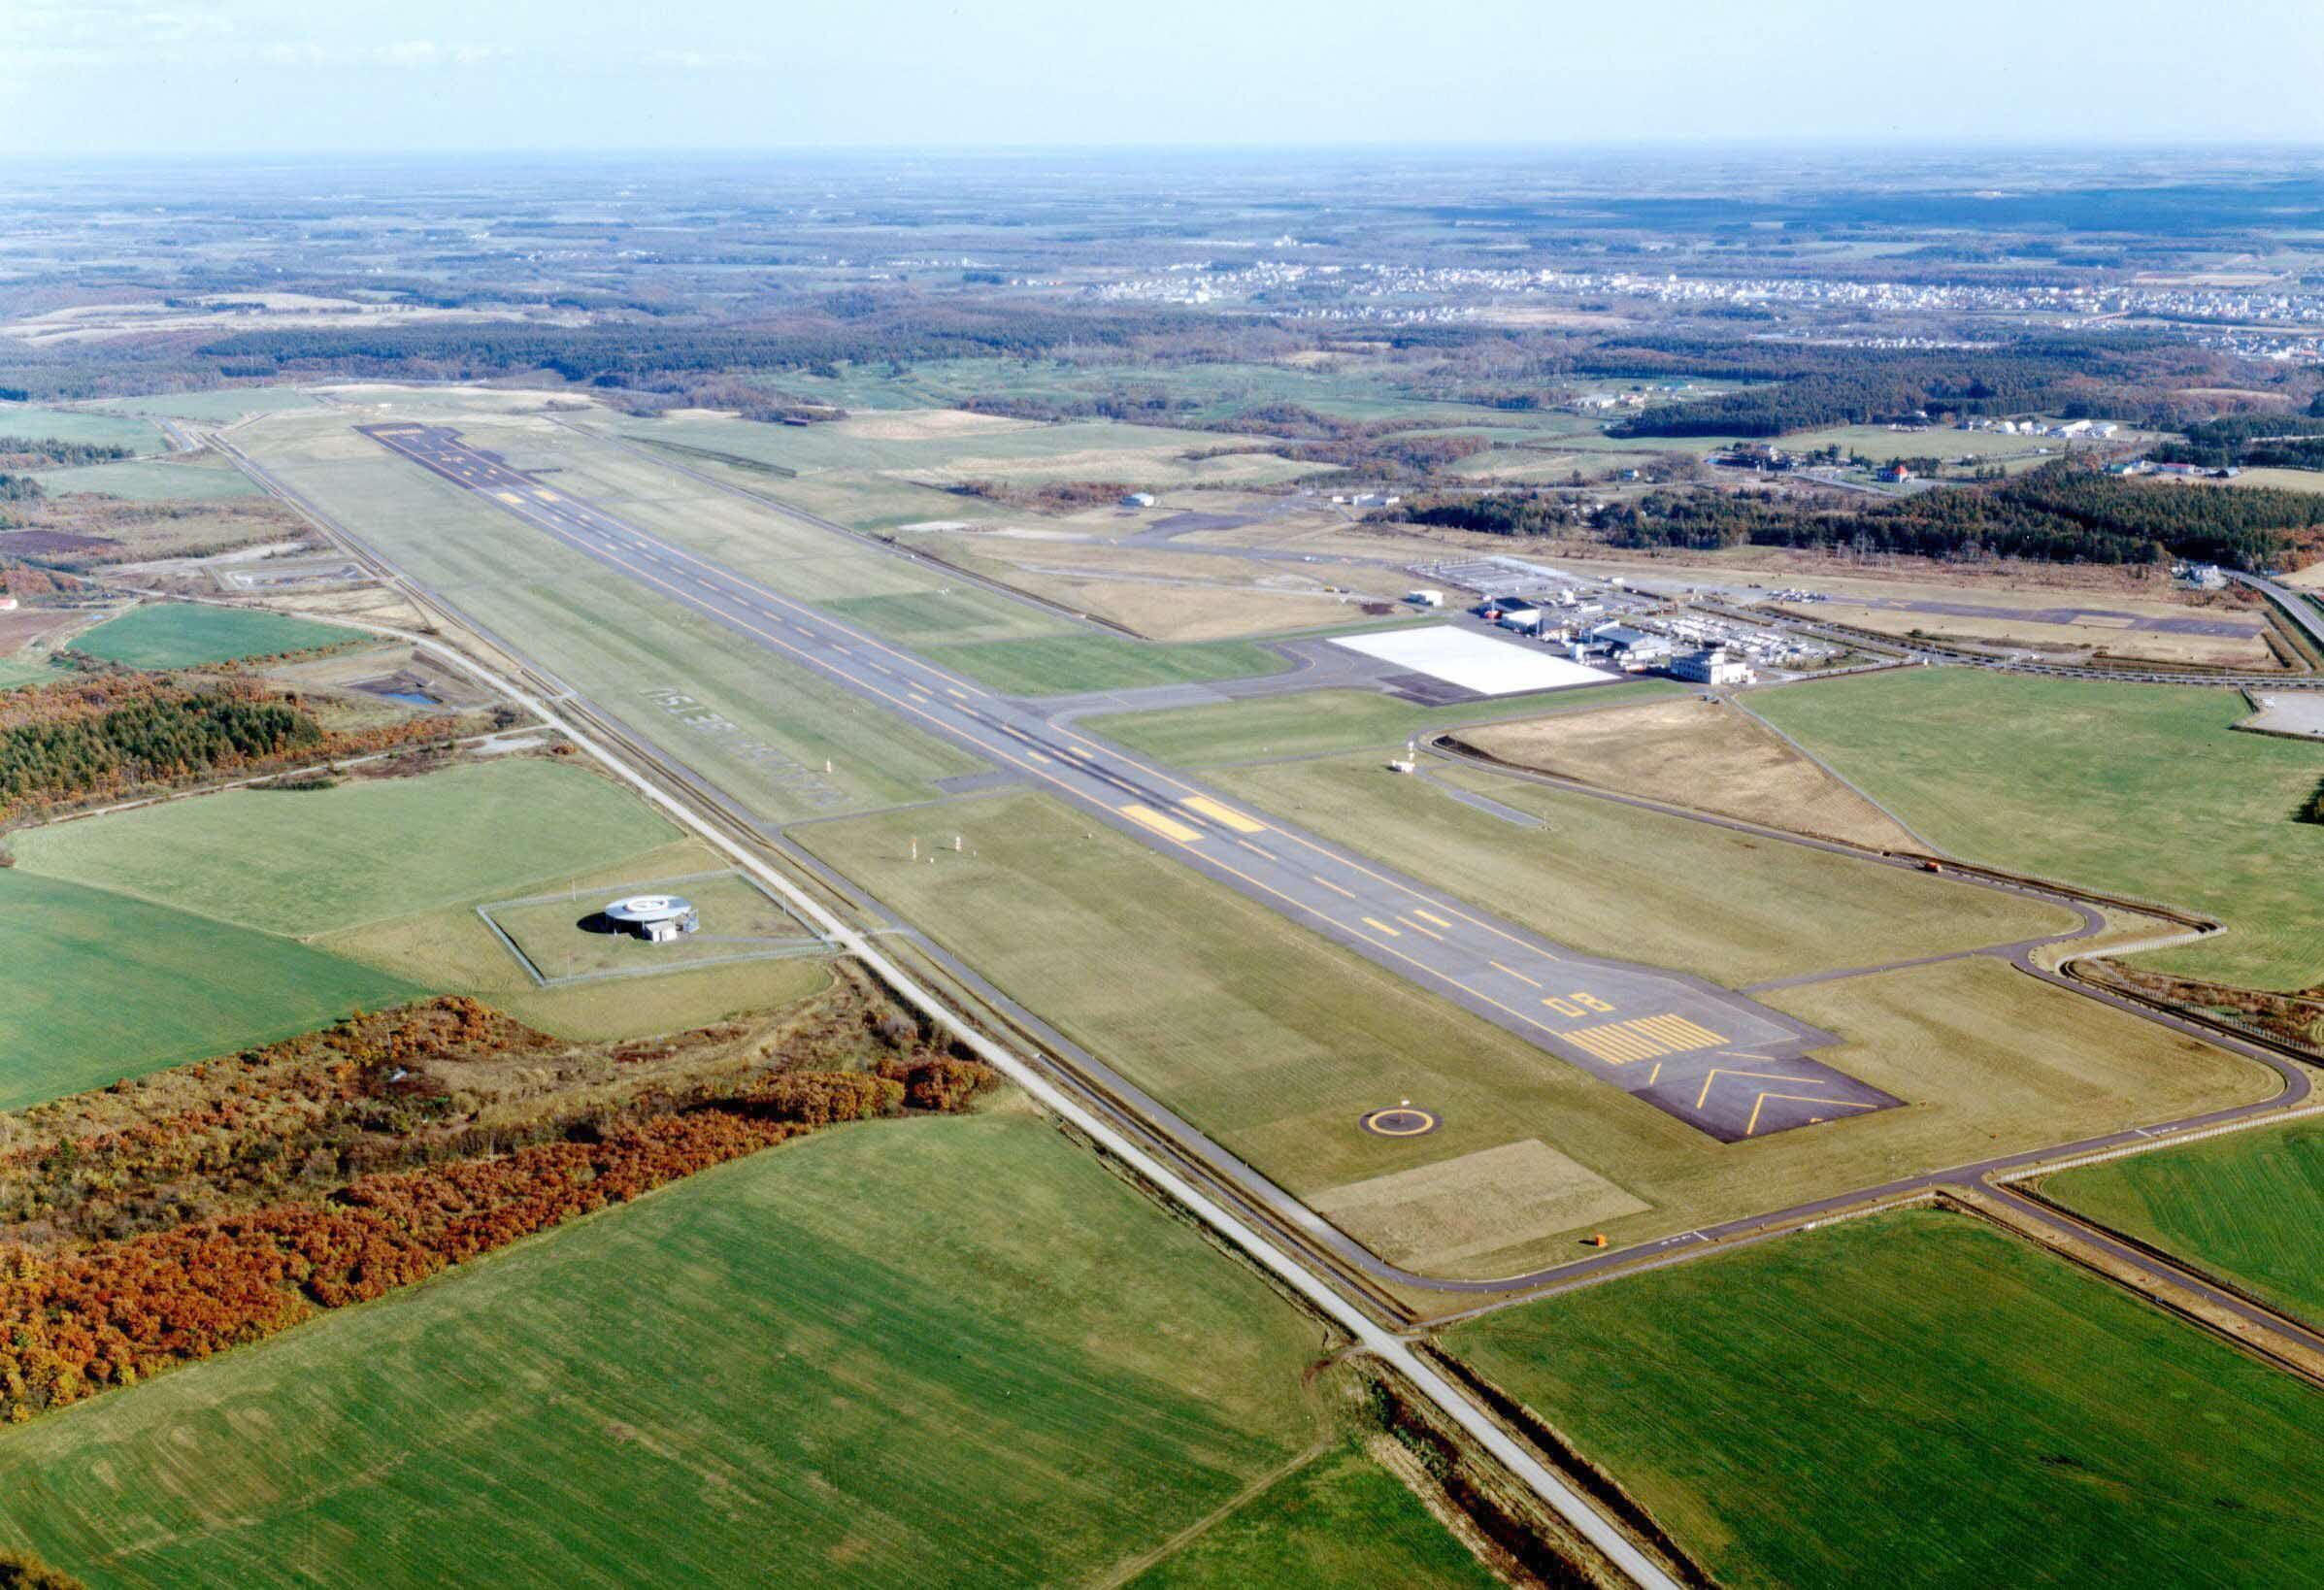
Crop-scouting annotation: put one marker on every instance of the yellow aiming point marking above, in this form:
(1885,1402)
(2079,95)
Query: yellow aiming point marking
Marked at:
(1145,816)
(549,496)
(508,496)
(1222,814)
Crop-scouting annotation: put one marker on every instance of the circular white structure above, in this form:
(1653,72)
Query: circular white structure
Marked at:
(656,917)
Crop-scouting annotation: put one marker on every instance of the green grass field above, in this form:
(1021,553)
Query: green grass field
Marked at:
(230,403)
(2129,787)
(184,635)
(1611,879)
(1339,1519)
(97,986)
(2244,1207)
(152,480)
(1922,1399)
(1320,721)
(104,430)
(1005,1368)
(737,919)
(1067,664)
(311,862)
(1274,1040)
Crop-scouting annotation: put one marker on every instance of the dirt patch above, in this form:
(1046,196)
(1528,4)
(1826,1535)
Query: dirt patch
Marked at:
(1697,753)
(924,424)
(1456,1208)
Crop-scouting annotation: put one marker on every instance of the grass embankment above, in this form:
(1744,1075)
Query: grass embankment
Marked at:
(1329,722)
(2135,788)
(1611,879)
(1922,1393)
(310,862)
(2244,1207)
(1004,1369)
(95,986)
(1273,1042)
(183,635)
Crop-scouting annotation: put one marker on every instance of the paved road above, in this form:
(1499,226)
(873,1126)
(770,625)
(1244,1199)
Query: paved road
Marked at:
(2296,603)
(1726,1065)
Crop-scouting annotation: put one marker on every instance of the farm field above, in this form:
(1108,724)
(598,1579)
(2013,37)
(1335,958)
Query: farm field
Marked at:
(1339,1519)
(1725,763)
(1009,1369)
(103,430)
(99,987)
(186,634)
(759,727)
(1921,1392)
(1321,722)
(370,848)
(2137,789)
(1611,879)
(152,480)
(1272,1042)
(2244,1207)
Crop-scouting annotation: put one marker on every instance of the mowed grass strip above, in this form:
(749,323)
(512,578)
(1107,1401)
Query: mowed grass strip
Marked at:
(1322,722)
(1337,1521)
(1003,1365)
(2137,789)
(1274,1040)
(2246,1206)
(743,714)
(1060,665)
(1613,879)
(184,635)
(95,986)
(310,862)
(1921,1397)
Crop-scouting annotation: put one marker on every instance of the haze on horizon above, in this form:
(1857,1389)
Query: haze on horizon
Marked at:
(269,77)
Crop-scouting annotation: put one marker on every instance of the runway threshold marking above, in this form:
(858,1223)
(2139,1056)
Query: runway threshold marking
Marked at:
(1218,811)
(1618,1043)
(1170,828)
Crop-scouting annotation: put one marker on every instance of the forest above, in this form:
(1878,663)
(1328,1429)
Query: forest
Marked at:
(1808,387)
(103,735)
(2061,512)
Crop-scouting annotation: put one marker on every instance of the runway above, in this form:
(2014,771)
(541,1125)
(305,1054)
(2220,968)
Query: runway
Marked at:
(1722,1063)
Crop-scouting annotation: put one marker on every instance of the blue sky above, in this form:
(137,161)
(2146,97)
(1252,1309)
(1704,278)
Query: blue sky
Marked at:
(273,75)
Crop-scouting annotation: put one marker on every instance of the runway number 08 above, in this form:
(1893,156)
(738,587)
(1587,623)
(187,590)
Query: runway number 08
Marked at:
(1576,1004)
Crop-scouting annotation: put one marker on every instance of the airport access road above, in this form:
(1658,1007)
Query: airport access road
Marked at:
(1724,1064)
